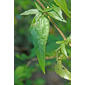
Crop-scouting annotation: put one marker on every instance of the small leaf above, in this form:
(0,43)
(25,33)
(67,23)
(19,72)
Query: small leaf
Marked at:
(62,71)
(63,50)
(47,9)
(67,63)
(63,5)
(38,7)
(30,12)
(56,13)
(59,42)
(39,31)
(68,40)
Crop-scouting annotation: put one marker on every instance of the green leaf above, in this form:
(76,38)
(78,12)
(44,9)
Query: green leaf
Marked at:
(30,12)
(22,56)
(56,13)
(68,40)
(63,5)
(56,16)
(63,50)
(47,9)
(62,71)
(59,42)
(23,72)
(67,63)
(51,46)
(39,81)
(38,7)
(40,31)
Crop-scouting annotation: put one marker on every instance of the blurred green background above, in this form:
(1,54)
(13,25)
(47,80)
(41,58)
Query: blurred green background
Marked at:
(27,70)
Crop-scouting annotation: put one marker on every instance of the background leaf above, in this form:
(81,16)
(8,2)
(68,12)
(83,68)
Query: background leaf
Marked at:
(23,72)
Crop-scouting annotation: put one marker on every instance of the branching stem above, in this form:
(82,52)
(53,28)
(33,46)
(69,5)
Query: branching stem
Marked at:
(61,33)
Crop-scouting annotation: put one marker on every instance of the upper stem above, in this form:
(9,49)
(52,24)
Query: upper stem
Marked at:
(61,33)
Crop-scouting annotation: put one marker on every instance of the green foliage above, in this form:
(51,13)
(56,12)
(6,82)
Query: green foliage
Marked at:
(36,36)
(30,12)
(56,13)
(62,57)
(22,56)
(53,11)
(38,7)
(39,81)
(62,4)
(39,31)
(21,73)
(63,50)
(62,71)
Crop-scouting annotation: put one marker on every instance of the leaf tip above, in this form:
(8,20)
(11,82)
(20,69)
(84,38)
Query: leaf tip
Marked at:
(43,70)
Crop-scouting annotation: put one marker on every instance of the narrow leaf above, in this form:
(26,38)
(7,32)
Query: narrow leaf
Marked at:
(56,13)
(62,71)
(63,5)
(30,12)
(63,50)
(59,42)
(38,7)
(47,9)
(39,31)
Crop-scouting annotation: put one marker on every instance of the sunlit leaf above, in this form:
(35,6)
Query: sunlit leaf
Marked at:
(56,13)
(30,12)
(63,5)
(62,71)
(39,31)
(59,42)
(63,50)
(68,40)
(47,9)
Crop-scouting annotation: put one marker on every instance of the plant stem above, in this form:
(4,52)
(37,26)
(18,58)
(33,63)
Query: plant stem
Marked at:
(52,21)
(41,4)
(35,59)
(57,28)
